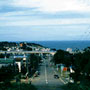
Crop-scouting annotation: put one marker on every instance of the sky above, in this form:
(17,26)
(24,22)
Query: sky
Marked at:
(44,20)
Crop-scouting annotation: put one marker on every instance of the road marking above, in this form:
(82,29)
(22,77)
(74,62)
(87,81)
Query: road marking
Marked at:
(46,82)
(55,72)
(46,75)
(62,81)
(60,78)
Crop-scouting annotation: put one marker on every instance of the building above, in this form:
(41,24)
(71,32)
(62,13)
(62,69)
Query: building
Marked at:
(21,44)
(69,50)
(6,62)
(20,60)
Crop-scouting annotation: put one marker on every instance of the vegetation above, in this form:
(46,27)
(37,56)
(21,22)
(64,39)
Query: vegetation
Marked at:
(34,60)
(3,55)
(34,63)
(17,86)
(5,45)
(7,73)
(23,69)
(34,44)
(62,57)
(81,66)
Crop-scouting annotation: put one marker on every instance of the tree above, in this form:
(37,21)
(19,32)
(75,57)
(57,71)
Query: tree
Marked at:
(23,69)
(34,62)
(2,56)
(82,65)
(63,57)
(6,73)
(80,62)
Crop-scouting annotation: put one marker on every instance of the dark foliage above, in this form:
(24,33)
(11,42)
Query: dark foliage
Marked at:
(63,57)
(7,73)
(79,61)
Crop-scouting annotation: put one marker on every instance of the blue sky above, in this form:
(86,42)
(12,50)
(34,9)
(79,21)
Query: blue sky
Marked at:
(39,20)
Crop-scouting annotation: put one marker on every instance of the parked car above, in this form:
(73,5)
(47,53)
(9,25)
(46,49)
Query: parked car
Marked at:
(56,76)
(35,75)
(38,72)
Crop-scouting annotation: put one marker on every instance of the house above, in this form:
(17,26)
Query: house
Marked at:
(20,60)
(69,50)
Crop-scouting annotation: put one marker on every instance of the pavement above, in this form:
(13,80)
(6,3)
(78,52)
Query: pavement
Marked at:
(46,80)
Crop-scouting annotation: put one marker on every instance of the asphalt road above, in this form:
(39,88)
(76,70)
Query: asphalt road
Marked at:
(46,80)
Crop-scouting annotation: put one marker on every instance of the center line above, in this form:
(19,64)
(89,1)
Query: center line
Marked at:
(46,75)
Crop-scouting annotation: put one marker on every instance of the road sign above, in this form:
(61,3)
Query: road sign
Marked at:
(65,69)
(62,68)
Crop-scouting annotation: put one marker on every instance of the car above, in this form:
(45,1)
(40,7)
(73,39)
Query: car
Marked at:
(35,75)
(56,76)
(38,72)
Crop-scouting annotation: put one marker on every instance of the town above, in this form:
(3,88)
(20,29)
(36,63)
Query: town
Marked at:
(35,65)
(19,61)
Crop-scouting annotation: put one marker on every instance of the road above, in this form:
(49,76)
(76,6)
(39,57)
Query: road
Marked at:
(29,52)
(46,80)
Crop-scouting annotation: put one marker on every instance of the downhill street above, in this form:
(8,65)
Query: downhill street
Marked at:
(46,80)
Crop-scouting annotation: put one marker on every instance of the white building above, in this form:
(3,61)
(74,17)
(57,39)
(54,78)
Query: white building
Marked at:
(19,60)
(69,50)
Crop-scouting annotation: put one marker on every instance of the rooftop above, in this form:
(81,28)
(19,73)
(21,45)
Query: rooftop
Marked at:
(6,61)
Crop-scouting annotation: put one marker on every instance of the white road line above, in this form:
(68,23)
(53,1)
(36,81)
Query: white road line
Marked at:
(54,71)
(62,81)
(46,82)
(46,75)
(60,78)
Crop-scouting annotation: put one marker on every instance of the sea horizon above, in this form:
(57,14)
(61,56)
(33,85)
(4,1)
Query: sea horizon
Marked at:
(64,44)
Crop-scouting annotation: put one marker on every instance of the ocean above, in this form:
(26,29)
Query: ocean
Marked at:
(64,44)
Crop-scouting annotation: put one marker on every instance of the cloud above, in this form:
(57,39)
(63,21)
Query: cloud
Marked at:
(26,3)
(54,17)
(43,9)
(29,21)
(53,6)
(45,6)
(38,32)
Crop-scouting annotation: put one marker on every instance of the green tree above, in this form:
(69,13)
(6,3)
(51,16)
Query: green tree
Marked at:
(63,57)
(7,73)
(34,63)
